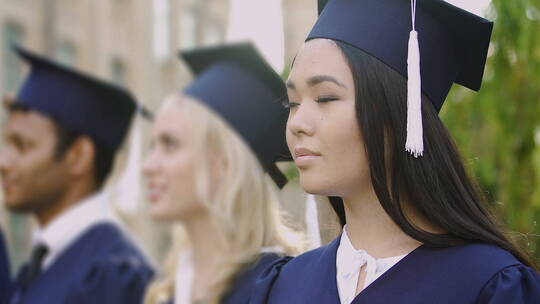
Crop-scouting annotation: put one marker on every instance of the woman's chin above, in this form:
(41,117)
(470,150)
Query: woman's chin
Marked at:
(161,214)
(313,185)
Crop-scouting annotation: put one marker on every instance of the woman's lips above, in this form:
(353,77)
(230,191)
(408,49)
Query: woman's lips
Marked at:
(153,197)
(303,157)
(154,192)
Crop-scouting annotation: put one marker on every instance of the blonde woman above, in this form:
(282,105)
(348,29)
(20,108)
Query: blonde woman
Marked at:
(212,145)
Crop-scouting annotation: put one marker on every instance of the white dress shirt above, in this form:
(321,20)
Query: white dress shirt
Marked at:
(349,261)
(65,229)
(185,272)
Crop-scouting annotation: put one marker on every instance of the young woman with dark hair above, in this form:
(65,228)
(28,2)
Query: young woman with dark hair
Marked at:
(416,227)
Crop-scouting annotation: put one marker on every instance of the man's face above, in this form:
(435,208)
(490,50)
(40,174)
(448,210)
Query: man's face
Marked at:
(32,177)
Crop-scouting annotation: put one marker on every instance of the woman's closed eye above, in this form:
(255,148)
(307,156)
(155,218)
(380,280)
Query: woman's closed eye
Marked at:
(320,99)
(289,104)
(326,98)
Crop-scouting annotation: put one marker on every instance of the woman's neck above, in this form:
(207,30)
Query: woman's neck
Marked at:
(207,246)
(370,228)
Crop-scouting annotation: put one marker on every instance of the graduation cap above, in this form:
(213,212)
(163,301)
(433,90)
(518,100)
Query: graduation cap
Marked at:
(237,83)
(431,42)
(77,101)
(442,43)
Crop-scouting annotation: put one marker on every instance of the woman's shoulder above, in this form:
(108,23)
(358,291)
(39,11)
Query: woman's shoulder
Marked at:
(478,257)
(245,280)
(513,284)
(472,264)
(287,278)
(476,271)
(291,267)
(307,260)
(505,279)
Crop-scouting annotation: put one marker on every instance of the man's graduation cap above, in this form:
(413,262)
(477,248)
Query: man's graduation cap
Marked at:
(78,102)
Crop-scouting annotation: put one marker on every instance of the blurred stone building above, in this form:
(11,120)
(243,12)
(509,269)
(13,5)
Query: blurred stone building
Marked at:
(133,43)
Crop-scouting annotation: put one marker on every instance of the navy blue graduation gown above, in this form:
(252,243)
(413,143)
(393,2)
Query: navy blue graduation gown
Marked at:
(244,284)
(102,267)
(475,273)
(5,275)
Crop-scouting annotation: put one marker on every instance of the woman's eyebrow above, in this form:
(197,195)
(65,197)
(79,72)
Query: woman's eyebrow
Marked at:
(315,80)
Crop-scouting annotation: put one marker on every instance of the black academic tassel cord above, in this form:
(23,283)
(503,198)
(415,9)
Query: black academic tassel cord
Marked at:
(34,267)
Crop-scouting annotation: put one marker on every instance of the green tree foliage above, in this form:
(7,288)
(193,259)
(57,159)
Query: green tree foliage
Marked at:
(498,128)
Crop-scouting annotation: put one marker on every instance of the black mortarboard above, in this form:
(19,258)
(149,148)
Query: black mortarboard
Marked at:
(236,82)
(78,102)
(453,42)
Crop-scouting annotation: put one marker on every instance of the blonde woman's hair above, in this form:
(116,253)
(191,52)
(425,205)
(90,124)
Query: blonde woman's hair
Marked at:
(244,205)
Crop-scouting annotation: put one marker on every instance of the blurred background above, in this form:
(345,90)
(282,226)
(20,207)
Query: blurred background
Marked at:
(135,44)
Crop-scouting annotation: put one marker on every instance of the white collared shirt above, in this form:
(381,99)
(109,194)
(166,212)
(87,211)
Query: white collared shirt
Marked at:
(349,261)
(65,229)
(185,272)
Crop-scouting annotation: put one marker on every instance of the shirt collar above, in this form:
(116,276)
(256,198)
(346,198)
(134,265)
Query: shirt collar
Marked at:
(349,261)
(347,256)
(71,224)
(185,273)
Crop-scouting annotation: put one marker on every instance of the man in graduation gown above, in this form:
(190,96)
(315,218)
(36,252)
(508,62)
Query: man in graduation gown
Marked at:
(4,269)
(62,134)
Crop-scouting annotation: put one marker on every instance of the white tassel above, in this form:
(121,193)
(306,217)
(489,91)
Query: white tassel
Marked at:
(415,138)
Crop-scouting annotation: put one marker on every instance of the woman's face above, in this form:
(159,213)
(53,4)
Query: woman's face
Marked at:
(169,165)
(322,131)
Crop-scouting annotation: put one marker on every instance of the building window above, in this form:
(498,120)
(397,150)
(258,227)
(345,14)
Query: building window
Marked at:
(13,66)
(212,34)
(161,23)
(66,53)
(188,29)
(118,72)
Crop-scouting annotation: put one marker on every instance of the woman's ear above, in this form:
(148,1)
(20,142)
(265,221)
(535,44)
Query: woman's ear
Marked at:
(80,157)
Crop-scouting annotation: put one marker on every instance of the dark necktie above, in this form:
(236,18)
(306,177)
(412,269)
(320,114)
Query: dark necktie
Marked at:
(34,267)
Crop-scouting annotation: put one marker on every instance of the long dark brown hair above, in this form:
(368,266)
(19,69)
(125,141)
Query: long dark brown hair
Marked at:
(436,185)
